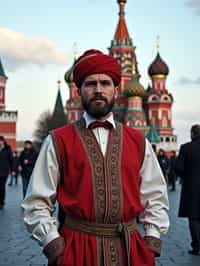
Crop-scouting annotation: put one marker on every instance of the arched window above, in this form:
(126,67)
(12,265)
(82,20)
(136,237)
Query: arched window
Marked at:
(153,98)
(165,98)
(138,123)
(153,121)
(164,121)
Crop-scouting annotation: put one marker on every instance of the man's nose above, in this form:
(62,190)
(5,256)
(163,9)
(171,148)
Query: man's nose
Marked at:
(98,87)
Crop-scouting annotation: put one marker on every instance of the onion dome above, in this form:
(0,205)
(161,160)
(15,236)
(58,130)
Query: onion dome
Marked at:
(158,67)
(69,75)
(121,1)
(134,88)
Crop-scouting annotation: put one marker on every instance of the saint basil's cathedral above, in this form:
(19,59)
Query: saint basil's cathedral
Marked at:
(148,109)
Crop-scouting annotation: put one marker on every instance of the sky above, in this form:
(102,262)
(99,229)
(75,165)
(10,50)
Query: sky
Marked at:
(37,47)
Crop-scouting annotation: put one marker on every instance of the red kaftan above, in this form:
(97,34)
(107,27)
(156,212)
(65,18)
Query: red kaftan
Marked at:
(102,190)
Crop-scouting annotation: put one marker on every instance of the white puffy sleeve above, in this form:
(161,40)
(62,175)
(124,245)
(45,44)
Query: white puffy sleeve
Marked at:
(154,196)
(39,202)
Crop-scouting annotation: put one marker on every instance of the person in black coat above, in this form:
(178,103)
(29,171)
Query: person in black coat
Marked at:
(172,172)
(15,169)
(5,168)
(188,168)
(27,161)
(164,163)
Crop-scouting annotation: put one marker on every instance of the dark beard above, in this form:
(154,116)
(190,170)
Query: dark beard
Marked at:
(98,111)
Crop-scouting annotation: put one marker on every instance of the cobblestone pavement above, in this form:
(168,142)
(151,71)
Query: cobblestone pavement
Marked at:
(16,248)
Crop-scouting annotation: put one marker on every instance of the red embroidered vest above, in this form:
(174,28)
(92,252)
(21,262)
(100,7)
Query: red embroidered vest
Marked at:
(94,187)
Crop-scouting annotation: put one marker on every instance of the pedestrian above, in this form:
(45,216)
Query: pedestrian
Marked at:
(164,163)
(15,169)
(103,175)
(27,161)
(5,168)
(172,172)
(188,168)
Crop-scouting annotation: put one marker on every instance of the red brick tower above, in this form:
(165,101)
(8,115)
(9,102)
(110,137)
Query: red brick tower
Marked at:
(3,80)
(7,118)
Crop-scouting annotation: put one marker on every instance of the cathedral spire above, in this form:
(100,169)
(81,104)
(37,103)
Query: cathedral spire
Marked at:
(58,118)
(121,33)
(122,48)
(2,73)
(58,105)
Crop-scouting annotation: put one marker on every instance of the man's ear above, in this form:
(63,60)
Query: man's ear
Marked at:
(116,91)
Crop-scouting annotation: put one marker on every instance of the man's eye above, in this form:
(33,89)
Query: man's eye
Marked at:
(105,83)
(90,83)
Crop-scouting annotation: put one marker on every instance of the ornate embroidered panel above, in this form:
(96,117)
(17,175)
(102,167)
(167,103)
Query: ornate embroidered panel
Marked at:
(107,187)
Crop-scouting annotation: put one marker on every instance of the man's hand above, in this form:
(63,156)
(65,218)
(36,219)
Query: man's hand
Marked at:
(154,244)
(54,250)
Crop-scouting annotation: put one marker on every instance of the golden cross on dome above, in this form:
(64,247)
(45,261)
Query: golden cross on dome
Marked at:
(74,49)
(59,82)
(158,43)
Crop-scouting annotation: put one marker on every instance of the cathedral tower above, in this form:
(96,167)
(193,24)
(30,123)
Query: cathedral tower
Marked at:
(123,49)
(159,104)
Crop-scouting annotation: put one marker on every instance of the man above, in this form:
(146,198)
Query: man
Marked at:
(172,172)
(15,169)
(5,168)
(188,168)
(104,175)
(27,161)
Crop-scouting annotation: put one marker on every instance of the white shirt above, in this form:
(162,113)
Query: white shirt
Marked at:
(40,198)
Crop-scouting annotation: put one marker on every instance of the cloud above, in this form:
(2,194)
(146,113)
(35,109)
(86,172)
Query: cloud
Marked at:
(195,4)
(189,81)
(17,49)
(183,119)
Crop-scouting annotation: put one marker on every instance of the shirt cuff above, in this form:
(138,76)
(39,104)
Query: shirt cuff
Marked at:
(50,237)
(151,230)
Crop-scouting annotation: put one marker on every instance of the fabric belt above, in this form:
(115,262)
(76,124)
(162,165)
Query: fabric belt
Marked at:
(122,230)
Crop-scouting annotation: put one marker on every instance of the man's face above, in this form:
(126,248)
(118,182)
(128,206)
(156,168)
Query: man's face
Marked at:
(27,146)
(98,95)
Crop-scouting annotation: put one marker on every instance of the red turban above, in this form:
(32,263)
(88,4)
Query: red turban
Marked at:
(95,62)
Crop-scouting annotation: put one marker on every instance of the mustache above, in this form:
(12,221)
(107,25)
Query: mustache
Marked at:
(98,98)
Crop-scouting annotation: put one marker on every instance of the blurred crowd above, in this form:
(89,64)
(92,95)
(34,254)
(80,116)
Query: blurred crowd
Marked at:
(167,164)
(14,166)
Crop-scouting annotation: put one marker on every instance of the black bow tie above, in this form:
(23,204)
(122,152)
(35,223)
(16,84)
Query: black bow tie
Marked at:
(105,124)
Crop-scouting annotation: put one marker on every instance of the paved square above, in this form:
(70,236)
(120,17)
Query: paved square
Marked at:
(16,247)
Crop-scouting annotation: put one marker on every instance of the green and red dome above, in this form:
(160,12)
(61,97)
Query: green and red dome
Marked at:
(69,75)
(134,88)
